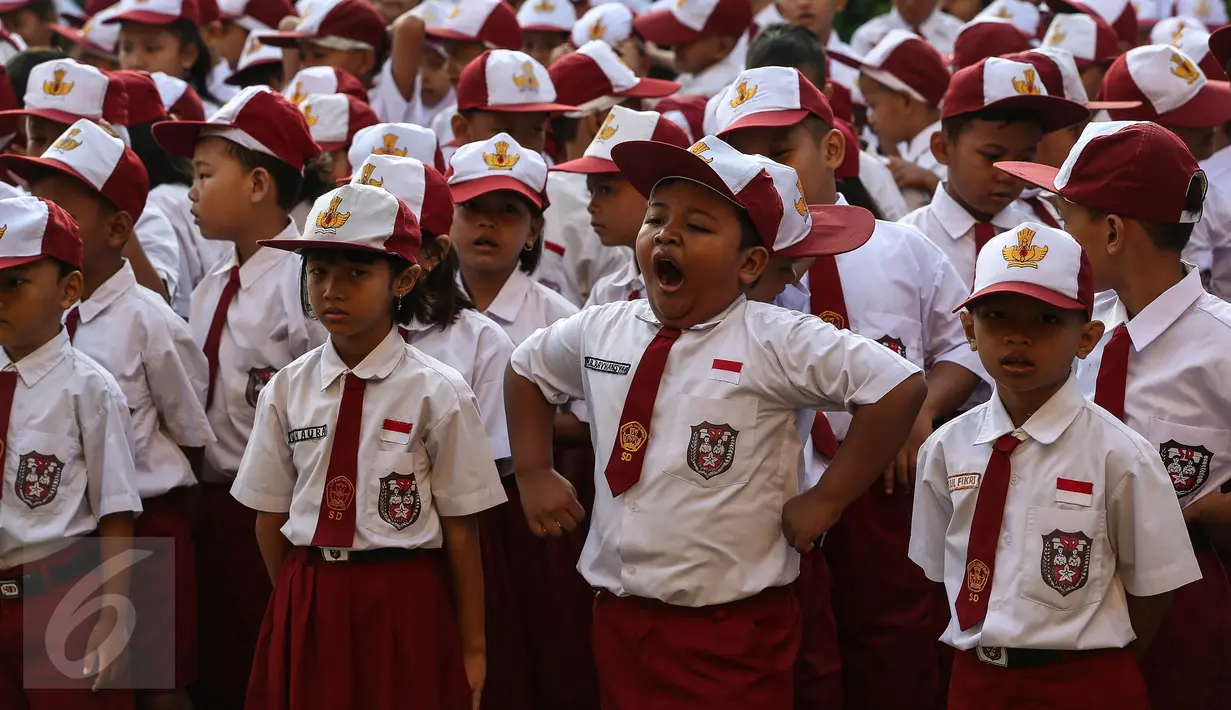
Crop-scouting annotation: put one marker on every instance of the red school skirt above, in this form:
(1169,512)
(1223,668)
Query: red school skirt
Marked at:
(165,638)
(1102,680)
(365,634)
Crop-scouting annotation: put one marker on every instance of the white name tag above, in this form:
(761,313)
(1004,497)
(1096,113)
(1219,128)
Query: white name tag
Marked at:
(963,481)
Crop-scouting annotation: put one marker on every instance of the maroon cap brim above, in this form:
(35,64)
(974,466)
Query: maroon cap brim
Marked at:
(180,137)
(440,33)
(300,244)
(50,114)
(1220,45)
(836,229)
(651,89)
(74,35)
(1036,174)
(547,28)
(661,28)
(647,163)
(12,6)
(587,165)
(23,166)
(8,262)
(471,189)
(527,108)
(768,119)
(1035,291)
(142,17)
(1054,112)
(1210,108)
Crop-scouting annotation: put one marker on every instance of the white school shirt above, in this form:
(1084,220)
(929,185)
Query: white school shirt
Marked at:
(386,100)
(442,125)
(68,458)
(1122,532)
(703,525)
(952,228)
(1213,233)
(161,246)
(574,258)
(718,76)
(939,29)
(627,284)
(524,305)
(265,330)
(217,82)
(197,254)
(1176,395)
(877,178)
(479,350)
(135,335)
(918,150)
(422,453)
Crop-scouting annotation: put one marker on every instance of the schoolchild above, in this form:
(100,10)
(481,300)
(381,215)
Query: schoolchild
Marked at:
(334,119)
(32,20)
(987,37)
(518,105)
(1090,40)
(708,39)
(259,64)
(545,25)
(228,37)
(922,17)
(96,43)
(162,35)
(397,140)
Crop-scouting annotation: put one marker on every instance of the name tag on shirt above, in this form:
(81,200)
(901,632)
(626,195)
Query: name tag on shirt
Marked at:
(1074,492)
(726,371)
(611,367)
(395,432)
(295,436)
(963,481)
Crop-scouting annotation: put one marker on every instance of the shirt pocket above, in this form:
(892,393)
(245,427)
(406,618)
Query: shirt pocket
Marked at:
(1193,456)
(394,506)
(712,442)
(46,476)
(903,336)
(1066,558)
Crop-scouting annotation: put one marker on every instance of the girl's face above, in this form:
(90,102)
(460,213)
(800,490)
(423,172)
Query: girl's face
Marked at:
(352,294)
(229,41)
(491,231)
(150,48)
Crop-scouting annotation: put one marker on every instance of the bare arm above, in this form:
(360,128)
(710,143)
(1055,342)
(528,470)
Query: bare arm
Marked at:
(949,386)
(1146,615)
(1213,513)
(407,49)
(274,546)
(465,561)
(548,499)
(571,431)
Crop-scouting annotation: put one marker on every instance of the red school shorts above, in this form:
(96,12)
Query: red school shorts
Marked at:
(1104,680)
(818,670)
(165,639)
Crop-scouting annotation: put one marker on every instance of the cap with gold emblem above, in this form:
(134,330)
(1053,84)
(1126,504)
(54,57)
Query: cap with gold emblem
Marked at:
(1038,261)
(498,163)
(507,81)
(400,140)
(997,83)
(334,119)
(64,90)
(418,185)
(770,97)
(32,228)
(623,125)
(595,71)
(357,216)
(1171,87)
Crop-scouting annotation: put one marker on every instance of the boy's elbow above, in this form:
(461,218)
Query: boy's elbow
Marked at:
(913,391)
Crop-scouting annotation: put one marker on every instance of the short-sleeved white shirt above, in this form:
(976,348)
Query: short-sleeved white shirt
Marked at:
(1212,235)
(479,350)
(939,29)
(265,330)
(878,180)
(918,150)
(197,254)
(68,458)
(149,350)
(161,246)
(703,525)
(573,257)
(1088,519)
(627,284)
(420,422)
(1176,394)
(524,305)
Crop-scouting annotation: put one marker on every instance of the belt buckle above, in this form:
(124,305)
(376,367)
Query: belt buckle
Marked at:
(334,554)
(993,655)
(11,589)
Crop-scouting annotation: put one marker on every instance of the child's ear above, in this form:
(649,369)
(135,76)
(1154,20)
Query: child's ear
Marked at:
(1091,333)
(262,185)
(461,128)
(835,149)
(367,63)
(434,251)
(406,280)
(1115,230)
(120,229)
(755,261)
(189,53)
(536,229)
(71,287)
(968,325)
(940,147)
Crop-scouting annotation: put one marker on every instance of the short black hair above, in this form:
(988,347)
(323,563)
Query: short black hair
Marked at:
(785,45)
(412,306)
(35,173)
(163,167)
(749,237)
(19,65)
(43,9)
(1166,236)
(65,268)
(287,180)
(954,126)
(563,128)
(528,259)
(260,75)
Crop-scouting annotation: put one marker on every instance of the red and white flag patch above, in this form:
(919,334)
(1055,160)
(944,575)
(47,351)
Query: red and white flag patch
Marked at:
(396,432)
(1074,492)
(726,371)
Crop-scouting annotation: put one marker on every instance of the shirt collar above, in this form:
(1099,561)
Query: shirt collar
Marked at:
(921,144)
(647,315)
(925,25)
(957,221)
(260,262)
(629,275)
(716,77)
(109,292)
(39,363)
(1045,426)
(378,364)
(508,303)
(1217,164)
(1158,316)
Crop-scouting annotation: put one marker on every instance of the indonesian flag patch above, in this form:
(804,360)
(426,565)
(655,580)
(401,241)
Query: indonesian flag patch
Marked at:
(395,432)
(726,371)
(1074,492)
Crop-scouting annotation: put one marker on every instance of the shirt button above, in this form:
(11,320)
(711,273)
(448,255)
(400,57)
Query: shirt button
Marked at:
(632,571)
(1008,540)
(999,606)
(1013,479)
(633,507)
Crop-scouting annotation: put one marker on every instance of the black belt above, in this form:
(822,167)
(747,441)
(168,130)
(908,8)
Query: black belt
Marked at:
(384,554)
(37,577)
(1199,538)
(1017,658)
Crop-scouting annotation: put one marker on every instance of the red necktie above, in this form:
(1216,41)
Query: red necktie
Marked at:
(335,526)
(634,294)
(828,303)
(984,231)
(1040,211)
(1113,373)
(632,439)
(71,321)
(214,337)
(971,602)
(8,385)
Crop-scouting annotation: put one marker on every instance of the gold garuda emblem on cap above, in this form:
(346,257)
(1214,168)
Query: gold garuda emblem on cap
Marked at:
(331,219)
(544,6)
(3,229)
(1184,68)
(457,10)
(57,86)
(365,177)
(390,146)
(1026,85)
(1025,255)
(68,141)
(742,94)
(801,205)
(254,45)
(1004,13)
(698,150)
(298,95)
(607,130)
(525,79)
(1054,38)
(309,116)
(501,159)
(598,29)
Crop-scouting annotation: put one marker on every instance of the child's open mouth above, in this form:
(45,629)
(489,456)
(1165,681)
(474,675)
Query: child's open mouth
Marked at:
(668,274)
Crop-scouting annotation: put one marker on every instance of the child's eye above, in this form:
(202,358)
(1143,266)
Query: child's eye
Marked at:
(316,271)
(510,208)
(358,272)
(1050,318)
(698,228)
(653,221)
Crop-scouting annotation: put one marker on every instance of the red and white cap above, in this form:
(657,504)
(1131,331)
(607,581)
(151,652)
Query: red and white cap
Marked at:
(64,90)
(1038,261)
(492,22)
(1188,35)
(610,22)
(10,45)
(254,15)
(72,12)
(498,163)
(334,119)
(508,81)
(257,119)
(323,80)
(35,229)
(986,37)
(1171,87)
(1087,37)
(8,100)
(420,187)
(88,153)
(144,101)
(1120,14)
(1024,15)
(595,71)
(1133,168)
(770,193)
(906,63)
(770,96)
(337,24)
(1060,76)
(1001,83)
(255,54)
(360,217)
(1220,45)
(684,21)
(179,99)
(156,12)
(396,140)
(546,16)
(623,125)
(96,36)
(687,112)
(1211,14)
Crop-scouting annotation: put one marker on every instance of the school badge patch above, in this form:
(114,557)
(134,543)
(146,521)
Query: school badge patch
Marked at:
(258,377)
(1066,561)
(711,450)
(1188,466)
(399,500)
(38,478)
(894,344)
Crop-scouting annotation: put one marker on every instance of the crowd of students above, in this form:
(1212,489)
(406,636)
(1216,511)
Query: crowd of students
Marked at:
(634,356)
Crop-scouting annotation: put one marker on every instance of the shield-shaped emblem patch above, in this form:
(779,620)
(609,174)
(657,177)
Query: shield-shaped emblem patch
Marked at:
(399,500)
(1066,561)
(258,377)
(894,344)
(711,450)
(38,478)
(1187,465)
